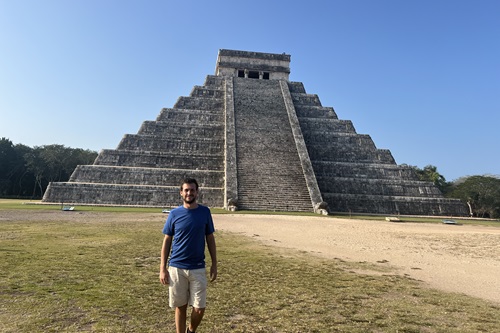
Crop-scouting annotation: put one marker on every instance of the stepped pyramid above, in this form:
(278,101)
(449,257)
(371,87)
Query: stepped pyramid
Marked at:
(254,141)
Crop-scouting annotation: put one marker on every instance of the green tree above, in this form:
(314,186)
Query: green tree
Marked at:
(54,163)
(481,193)
(10,166)
(430,174)
(24,178)
(55,158)
(35,164)
(26,171)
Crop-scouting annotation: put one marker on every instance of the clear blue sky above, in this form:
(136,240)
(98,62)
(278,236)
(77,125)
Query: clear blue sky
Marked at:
(421,77)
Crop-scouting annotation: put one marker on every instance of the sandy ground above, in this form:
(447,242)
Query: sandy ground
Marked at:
(454,258)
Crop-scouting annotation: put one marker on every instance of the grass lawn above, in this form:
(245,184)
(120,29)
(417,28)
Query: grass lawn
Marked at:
(98,272)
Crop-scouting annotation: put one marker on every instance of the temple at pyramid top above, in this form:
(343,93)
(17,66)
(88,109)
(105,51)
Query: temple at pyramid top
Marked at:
(253,65)
(254,141)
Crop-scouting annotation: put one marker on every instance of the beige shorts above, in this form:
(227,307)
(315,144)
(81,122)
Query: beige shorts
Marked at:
(187,286)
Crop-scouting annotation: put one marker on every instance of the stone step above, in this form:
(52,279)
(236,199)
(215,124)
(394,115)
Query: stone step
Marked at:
(170,129)
(269,171)
(378,204)
(195,145)
(185,115)
(198,103)
(144,176)
(214,81)
(305,99)
(181,160)
(204,91)
(296,87)
(382,156)
(391,187)
(349,140)
(311,111)
(127,195)
(308,124)
(360,170)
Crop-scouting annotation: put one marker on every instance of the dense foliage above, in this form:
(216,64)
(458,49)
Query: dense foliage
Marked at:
(430,174)
(25,172)
(480,193)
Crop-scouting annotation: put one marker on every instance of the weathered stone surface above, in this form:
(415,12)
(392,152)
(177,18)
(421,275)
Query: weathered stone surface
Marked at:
(270,176)
(253,140)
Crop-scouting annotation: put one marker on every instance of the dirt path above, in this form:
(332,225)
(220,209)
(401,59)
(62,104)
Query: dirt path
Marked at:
(464,259)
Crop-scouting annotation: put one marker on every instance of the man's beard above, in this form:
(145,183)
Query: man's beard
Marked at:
(189,200)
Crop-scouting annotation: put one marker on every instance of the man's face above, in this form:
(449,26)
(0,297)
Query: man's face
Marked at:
(189,193)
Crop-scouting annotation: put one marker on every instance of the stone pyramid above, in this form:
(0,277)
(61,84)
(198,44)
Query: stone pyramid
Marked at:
(254,141)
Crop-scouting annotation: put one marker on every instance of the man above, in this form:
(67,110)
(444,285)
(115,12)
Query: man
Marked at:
(186,229)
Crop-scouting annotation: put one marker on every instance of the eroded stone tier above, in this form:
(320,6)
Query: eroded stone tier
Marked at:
(254,140)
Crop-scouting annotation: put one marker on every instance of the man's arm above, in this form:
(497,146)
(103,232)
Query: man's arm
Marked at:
(212,249)
(165,251)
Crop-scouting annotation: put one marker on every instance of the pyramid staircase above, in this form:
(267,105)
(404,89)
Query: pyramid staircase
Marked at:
(270,176)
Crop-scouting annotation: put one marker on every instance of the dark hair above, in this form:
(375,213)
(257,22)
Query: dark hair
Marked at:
(189,181)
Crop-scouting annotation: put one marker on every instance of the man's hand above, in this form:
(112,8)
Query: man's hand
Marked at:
(164,277)
(213,273)
(165,250)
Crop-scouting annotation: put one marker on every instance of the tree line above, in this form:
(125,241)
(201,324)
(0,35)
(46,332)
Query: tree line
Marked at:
(481,194)
(25,172)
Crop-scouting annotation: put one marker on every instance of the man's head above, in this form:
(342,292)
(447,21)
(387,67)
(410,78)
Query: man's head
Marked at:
(189,190)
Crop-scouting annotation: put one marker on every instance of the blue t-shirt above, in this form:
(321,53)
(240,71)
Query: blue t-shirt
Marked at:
(188,227)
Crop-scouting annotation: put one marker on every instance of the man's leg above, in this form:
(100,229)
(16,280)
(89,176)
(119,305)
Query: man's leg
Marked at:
(198,295)
(178,294)
(196,317)
(180,318)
